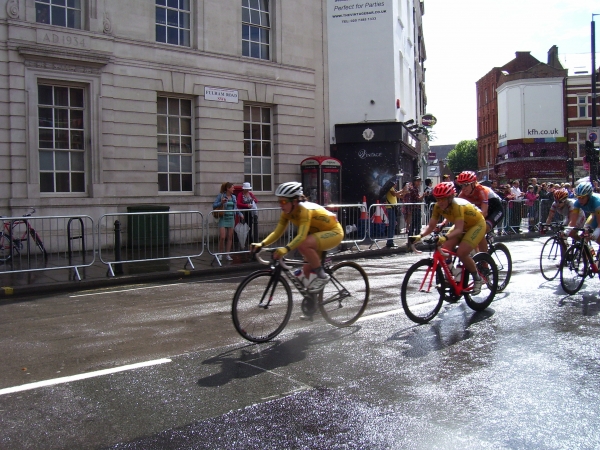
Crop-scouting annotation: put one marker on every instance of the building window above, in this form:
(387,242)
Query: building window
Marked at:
(258,148)
(174,135)
(581,138)
(582,106)
(173,22)
(61,134)
(62,13)
(256,29)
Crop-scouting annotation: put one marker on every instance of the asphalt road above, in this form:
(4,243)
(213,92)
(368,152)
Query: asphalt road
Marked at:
(161,366)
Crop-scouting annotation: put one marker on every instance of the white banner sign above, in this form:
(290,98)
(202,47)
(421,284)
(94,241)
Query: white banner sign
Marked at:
(221,95)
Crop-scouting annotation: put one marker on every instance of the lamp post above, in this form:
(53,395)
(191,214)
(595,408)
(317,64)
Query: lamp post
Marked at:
(594,70)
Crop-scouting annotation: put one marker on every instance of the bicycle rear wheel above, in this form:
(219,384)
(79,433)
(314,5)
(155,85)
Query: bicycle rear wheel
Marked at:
(262,306)
(573,269)
(550,258)
(487,270)
(5,247)
(422,291)
(503,260)
(345,296)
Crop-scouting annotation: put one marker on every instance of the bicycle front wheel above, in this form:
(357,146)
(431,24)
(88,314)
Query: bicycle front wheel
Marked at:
(422,291)
(5,247)
(503,260)
(573,269)
(550,258)
(345,296)
(487,270)
(262,306)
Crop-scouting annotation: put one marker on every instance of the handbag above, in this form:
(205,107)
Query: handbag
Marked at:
(219,212)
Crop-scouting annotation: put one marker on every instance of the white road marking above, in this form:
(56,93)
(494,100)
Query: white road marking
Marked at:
(141,288)
(379,315)
(83,376)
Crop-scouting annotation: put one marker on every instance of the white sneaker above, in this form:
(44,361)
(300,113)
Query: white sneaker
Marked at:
(308,280)
(219,257)
(228,258)
(476,287)
(317,285)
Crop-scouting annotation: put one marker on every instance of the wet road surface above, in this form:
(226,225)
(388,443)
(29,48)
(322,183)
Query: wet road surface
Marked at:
(522,374)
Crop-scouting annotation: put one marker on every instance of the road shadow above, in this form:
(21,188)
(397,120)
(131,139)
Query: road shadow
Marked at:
(449,328)
(589,303)
(256,359)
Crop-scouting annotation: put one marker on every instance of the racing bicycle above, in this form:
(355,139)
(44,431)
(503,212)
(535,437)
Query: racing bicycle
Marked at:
(578,262)
(499,252)
(553,250)
(430,282)
(262,304)
(15,237)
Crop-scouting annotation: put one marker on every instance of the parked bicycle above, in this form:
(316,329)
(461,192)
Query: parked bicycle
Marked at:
(262,304)
(579,261)
(15,237)
(553,249)
(501,255)
(431,281)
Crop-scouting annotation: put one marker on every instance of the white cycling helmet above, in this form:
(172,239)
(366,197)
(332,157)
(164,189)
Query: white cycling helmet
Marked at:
(584,189)
(289,190)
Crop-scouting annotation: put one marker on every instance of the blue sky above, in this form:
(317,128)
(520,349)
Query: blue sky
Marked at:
(464,40)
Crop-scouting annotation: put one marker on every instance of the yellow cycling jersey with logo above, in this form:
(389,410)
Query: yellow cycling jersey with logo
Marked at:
(309,218)
(459,209)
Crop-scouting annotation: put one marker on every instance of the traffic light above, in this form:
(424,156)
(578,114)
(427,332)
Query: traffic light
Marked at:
(570,165)
(590,153)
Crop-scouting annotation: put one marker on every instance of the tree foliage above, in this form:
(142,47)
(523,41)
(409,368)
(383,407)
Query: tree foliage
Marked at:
(463,157)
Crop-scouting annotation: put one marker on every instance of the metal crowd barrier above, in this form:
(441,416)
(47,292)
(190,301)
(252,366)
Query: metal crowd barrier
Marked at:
(409,217)
(519,217)
(261,222)
(144,236)
(38,243)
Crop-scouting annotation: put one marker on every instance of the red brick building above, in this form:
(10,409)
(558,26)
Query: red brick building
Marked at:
(526,151)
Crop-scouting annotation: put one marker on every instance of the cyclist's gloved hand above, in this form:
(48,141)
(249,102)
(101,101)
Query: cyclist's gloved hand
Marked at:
(414,239)
(441,240)
(256,246)
(280,252)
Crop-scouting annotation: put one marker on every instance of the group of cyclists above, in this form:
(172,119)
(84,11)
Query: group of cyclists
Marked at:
(475,211)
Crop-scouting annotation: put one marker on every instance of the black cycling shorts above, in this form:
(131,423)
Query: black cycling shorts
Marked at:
(495,212)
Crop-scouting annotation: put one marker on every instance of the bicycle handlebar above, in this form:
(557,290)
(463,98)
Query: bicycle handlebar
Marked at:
(267,262)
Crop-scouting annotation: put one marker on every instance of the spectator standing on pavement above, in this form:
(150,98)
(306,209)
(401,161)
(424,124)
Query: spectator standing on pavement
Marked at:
(247,201)
(530,201)
(391,198)
(227,200)
(546,199)
(516,211)
(414,196)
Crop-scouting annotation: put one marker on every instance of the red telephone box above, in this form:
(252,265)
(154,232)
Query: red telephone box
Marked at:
(322,179)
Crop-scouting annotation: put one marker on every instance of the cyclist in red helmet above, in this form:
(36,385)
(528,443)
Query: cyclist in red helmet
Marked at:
(466,233)
(484,198)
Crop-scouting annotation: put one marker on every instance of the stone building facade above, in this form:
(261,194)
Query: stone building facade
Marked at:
(107,104)
(579,118)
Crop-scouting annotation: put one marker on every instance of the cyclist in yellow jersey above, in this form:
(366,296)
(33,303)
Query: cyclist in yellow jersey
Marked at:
(318,230)
(468,230)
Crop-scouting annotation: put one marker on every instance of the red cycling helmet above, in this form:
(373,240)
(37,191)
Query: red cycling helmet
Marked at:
(444,190)
(560,194)
(466,177)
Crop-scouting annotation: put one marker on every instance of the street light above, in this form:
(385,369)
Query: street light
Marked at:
(594,70)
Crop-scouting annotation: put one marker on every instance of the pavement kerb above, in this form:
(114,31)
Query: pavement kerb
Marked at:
(14,292)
